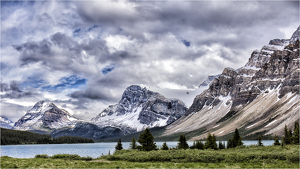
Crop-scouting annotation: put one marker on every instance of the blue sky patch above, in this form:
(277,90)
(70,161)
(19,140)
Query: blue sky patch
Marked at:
(186,43)
(67,83)
(77,30)
(108,69)
(93,27)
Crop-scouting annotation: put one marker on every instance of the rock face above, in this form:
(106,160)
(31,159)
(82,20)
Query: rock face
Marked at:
(140,108)
(208,81)
(45,115)
(270,73)
(6,123)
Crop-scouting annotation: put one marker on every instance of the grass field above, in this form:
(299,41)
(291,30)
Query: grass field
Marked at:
(241,157)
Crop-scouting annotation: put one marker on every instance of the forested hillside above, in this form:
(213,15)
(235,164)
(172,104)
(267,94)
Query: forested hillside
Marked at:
(10,137)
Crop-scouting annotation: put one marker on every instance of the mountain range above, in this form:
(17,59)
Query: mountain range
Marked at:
(260,97)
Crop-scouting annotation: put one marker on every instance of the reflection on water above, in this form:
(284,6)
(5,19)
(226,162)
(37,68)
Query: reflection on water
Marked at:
(93,150)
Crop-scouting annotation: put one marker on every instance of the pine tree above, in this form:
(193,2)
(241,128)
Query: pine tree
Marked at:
(211,142)
(259,141)
(296,133)
(276,141)
(146,141)
(119,145)
(165,146)
(229,144)
(199,145)
(133,144)
(287,136)
(182,144)
(221,146)
(237,140)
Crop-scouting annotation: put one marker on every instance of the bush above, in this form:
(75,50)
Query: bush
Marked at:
(41,156)
(241,154)
(71,157)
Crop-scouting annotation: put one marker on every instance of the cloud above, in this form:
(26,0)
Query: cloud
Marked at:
(12,91)
(84,55)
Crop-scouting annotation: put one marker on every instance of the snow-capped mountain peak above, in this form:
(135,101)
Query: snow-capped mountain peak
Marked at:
(140,108)
(6,123)
(45,114)
(41,106)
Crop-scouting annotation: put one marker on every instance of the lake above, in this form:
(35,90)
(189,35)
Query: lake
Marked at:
(93,150)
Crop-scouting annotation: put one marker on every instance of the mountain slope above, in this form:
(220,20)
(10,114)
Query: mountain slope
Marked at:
(138,109)
(6,123)
(45,115)
(262,96)
(141,108)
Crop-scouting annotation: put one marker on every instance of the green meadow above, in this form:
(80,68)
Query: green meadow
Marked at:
(239,157)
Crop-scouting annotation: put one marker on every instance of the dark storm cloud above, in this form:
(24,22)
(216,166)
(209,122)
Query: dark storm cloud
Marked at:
(13,91)
(113,44)
(60,51)
(177,17)
(102,94)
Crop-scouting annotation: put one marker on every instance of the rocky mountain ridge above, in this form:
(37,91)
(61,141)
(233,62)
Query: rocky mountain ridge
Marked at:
(269,72)
(140,108)
(45,115)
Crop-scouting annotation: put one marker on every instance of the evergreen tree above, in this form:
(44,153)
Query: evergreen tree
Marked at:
(199,145)
(287,136)
(165,146)
(221,146)
(237,140)
(182,144)
(229,144)
(211,142)
(119,145)
(133,144)
(146,141)
(259,141)
(296,133)
(276,141)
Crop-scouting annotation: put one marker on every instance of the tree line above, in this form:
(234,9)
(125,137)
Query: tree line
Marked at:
(147,144)
(12,137)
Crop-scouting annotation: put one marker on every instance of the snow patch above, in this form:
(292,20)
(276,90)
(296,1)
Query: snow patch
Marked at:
(216,126)
(251,126)
(270,123)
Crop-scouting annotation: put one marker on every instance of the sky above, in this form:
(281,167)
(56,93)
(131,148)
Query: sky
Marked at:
(81,55)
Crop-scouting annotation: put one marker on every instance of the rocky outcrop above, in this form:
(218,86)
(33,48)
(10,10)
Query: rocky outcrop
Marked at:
(270,73)
(45,115)
(140,108)
(208,81)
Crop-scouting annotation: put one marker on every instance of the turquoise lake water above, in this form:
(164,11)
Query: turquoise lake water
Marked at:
(93,150)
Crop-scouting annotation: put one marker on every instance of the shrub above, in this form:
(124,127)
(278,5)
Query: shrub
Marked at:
(41,156)
(71,157)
